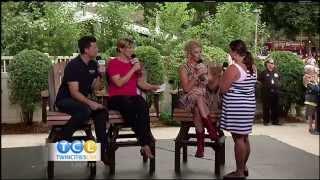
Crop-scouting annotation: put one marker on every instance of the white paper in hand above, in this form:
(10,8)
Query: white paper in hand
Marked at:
(161,88)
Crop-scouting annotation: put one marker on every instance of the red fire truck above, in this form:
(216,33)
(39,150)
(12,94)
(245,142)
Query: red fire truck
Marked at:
(293,46)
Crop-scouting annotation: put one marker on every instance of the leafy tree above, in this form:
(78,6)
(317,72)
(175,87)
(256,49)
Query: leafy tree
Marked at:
(231,21)
(115,16)
(47,27)
(167,24)
(292,18)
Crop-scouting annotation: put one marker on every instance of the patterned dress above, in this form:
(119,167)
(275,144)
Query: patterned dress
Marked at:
(239,104)
(188,100)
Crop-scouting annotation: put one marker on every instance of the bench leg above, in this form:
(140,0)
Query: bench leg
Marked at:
(217,160)
(183,133)
(89,135)
(219,155)
(185,153)
(153,161)
(114,133)
(93,168)
(223,155)
(50,169)
(177,147)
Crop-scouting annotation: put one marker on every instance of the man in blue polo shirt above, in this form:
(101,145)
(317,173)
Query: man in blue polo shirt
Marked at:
(81,78)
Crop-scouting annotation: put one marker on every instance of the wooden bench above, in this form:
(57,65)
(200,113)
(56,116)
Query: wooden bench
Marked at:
(55,120)
(183,139)
(116,123)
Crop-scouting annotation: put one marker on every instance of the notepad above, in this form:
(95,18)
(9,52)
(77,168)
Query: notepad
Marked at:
(161,89)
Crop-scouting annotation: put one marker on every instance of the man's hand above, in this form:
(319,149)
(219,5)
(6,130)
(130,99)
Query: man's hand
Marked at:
(95,106)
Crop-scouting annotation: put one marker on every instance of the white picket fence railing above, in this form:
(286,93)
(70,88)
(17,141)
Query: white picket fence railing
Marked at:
(5,60)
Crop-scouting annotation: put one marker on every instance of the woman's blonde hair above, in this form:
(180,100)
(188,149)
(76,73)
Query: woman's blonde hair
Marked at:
(124,42)
(191,45)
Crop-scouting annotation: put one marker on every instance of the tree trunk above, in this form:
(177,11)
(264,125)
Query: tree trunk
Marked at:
(27,117)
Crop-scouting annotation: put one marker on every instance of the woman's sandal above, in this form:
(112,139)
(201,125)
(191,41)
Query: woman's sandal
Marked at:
(246,173)
(144,154)
(233,175)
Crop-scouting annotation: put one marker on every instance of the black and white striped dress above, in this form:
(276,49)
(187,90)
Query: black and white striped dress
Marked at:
(239,104)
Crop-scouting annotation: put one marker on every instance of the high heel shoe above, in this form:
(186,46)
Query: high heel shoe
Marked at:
(200,144)
(213,131)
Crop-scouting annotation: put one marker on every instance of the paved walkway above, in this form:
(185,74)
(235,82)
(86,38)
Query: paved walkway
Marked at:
(294,134)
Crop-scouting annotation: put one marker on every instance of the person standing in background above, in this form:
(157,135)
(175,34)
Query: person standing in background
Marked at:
(270,80)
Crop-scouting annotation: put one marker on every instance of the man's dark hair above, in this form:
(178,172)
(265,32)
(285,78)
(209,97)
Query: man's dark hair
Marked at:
(85,42)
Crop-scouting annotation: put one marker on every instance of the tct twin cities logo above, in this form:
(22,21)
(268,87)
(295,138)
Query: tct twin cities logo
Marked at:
(75,151)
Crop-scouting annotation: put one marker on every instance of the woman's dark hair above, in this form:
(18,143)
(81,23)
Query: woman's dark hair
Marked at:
(85,42)
(240,48)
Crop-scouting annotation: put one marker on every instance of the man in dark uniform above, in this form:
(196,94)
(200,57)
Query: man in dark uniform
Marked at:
(270,80)
(81,78)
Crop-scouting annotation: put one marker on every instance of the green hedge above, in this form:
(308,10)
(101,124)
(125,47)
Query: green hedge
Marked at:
(28,76)
(152,61)
(166,118)
(290,67)
(215,54)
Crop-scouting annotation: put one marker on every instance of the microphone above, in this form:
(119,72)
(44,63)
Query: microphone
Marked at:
(101,64)
(135,60)
(200,65)
(98,58)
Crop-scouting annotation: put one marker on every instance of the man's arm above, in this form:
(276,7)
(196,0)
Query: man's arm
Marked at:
(97,84)
(76,94)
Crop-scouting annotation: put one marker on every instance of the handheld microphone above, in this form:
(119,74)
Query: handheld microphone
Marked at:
(101,64)
(200,61)
(199,64)
(133,61)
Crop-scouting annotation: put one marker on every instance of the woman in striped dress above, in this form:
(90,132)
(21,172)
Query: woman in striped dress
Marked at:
(238,105)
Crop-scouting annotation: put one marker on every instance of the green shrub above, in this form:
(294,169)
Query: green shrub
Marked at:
(152,61)
(290,67)
(111,52)
(28,76)
(166,119)
(215,54)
